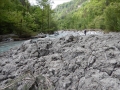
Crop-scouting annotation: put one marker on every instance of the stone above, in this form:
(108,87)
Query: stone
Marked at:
(3,77)
(80,62)
(116,73)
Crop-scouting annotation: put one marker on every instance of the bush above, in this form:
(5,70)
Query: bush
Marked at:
(112,17)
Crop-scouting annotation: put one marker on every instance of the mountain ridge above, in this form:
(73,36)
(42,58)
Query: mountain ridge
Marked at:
(89,14)
(68,7)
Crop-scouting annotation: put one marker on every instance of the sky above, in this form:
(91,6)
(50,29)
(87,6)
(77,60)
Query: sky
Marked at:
(56,2)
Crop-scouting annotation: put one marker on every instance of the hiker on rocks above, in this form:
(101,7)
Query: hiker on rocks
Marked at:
(85,32)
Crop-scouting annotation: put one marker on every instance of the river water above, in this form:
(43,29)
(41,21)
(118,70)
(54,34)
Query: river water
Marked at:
(5,46)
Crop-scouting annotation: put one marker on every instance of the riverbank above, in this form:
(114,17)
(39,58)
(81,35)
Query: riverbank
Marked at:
(6,45)
(70,62)
(13,37)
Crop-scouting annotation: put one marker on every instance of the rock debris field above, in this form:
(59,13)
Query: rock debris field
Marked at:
(90,62)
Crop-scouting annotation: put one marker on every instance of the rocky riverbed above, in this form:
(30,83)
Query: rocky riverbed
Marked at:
(80,62)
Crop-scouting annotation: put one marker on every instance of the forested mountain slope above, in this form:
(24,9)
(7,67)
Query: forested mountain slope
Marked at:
(89,14)
(66,8)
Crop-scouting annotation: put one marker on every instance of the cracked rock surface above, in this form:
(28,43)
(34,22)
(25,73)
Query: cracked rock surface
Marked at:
(90,62)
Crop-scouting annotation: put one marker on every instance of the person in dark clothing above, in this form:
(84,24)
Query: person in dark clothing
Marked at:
(85,32)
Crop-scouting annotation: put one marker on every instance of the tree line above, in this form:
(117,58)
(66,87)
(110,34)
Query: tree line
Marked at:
(22,18)
(89,14)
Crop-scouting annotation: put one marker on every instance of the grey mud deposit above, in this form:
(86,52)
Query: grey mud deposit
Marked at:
(90,62)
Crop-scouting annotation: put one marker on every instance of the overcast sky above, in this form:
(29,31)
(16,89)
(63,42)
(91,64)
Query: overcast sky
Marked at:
(56,2)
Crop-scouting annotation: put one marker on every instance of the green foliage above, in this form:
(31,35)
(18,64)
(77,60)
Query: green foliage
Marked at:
(112,17)
(19,17)
(92,14)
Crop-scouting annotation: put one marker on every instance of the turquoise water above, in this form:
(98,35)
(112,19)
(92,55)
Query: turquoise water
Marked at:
(5,46)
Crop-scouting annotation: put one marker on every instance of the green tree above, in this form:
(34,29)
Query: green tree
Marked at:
(112,17)
(19,17)
(46,16)
(89,14)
